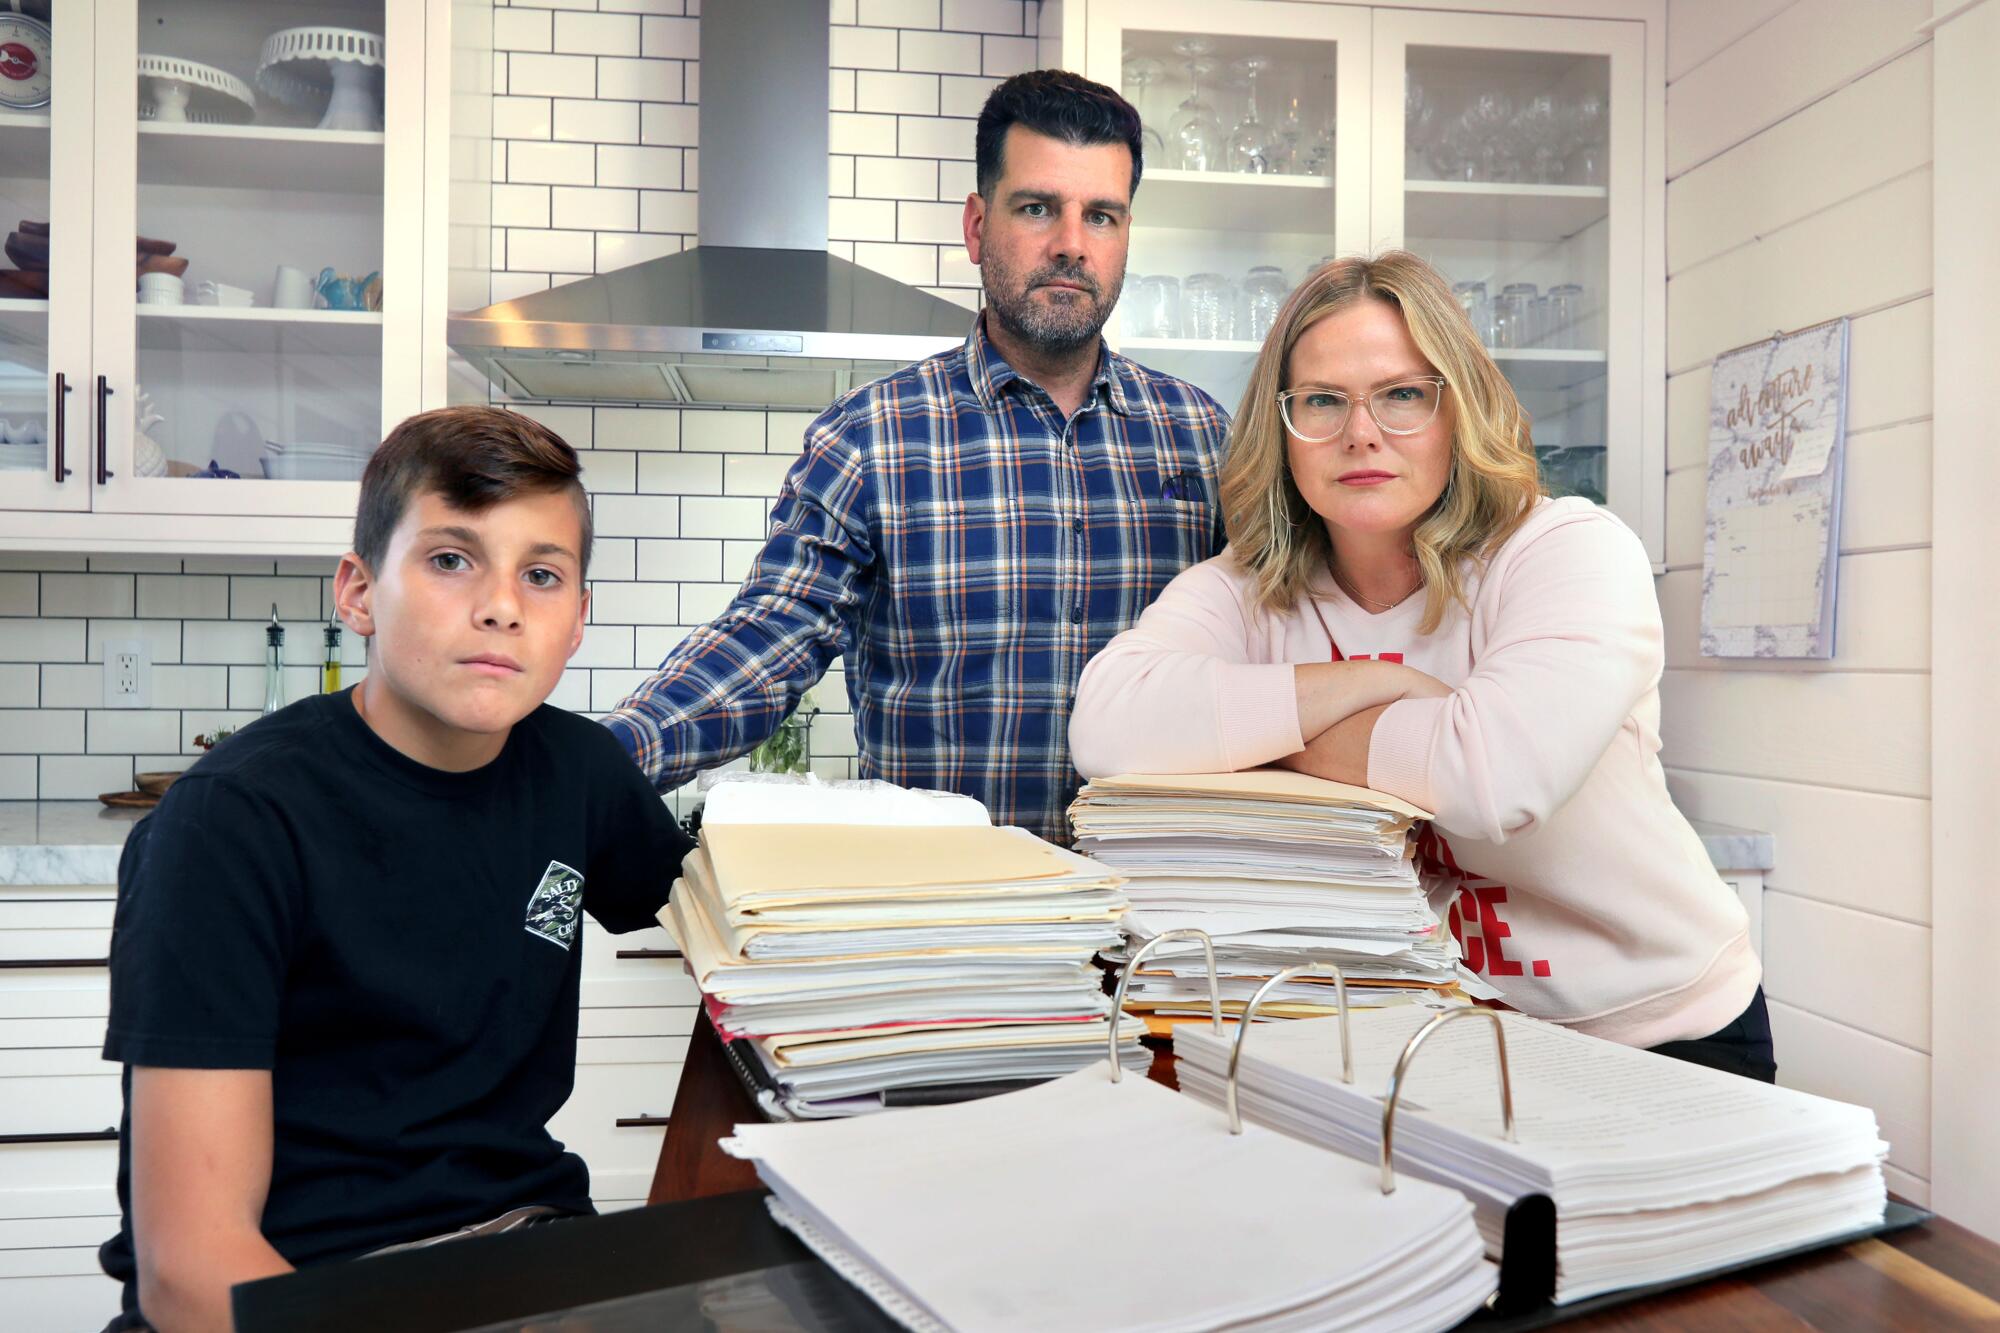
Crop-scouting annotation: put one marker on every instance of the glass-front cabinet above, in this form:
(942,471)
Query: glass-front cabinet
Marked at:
(217,281)
(1511,151)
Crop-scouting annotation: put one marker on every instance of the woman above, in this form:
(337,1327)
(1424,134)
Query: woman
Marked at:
(1401,607)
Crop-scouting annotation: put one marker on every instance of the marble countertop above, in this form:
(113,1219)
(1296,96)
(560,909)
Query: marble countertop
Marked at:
(62,842)
(77,842)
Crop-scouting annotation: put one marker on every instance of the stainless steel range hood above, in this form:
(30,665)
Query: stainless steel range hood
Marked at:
(758,315)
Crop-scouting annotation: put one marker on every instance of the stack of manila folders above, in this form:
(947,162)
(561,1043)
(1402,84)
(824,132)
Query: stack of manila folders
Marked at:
(849,966)
(1278,868)
(1658,1169)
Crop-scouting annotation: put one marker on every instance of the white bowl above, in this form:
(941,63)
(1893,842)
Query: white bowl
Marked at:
(160,298)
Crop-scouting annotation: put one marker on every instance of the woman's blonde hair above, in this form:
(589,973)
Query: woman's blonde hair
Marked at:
(1494,480)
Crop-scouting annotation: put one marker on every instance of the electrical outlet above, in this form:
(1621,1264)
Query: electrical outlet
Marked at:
(128,673)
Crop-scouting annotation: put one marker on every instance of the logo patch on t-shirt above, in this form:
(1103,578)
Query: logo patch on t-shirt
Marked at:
(553,906)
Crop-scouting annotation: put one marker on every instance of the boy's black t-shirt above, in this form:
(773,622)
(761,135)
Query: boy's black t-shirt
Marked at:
(400,946)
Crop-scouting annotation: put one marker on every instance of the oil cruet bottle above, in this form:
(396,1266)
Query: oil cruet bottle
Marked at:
(274,663)
(329,669)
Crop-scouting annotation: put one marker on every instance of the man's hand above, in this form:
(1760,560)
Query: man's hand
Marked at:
(201,1167)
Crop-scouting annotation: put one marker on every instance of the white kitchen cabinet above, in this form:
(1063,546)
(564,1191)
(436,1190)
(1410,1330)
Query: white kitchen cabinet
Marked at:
(247,183)
(1519,148)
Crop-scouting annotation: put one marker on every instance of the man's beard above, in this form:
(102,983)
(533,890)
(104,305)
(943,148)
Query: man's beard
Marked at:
(1065,322)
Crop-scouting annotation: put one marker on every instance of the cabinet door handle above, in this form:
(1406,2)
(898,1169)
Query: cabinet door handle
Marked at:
(649,953)
(103,450)
(61,441)
(75,1136)
(640,1122)
(54,962)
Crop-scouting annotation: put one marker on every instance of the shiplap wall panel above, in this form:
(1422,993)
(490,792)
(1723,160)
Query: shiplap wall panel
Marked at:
(1830,1059)
(1882,617)
(1889,381)
(1773,70)
(1885,497)
(1855,968)
(1849,848)
(1866,251)
(1698,29)
(1855,730)
(1778,178)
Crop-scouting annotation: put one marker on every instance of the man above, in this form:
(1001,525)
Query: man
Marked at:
(973,528)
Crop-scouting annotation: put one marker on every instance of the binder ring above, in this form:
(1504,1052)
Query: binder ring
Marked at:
(1250,1012)
(1132,965)
(1403,1063)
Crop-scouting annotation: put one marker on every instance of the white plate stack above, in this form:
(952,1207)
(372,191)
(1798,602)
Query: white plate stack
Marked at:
(1278,868)
(315,462)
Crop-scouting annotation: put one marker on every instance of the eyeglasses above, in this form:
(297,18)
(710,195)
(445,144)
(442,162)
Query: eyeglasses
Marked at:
(1402,408)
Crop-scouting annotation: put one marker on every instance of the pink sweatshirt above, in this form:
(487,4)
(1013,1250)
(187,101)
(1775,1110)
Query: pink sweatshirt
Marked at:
(1569,878)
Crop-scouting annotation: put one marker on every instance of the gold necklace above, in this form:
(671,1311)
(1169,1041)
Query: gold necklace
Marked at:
(1365,600)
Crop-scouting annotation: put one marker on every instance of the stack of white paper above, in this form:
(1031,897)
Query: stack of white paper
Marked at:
(843,962)
(1278,868)
(1658,1168)
(982,1217)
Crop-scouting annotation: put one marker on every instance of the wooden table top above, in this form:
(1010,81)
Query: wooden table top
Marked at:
(1937,1276)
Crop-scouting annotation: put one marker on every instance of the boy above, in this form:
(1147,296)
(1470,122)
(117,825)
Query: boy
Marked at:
(345,960)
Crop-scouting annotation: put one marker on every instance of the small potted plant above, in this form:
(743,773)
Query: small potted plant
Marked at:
(788,749)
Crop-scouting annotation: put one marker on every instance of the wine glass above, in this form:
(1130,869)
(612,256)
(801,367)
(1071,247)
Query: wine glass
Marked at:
(1250,142)
(1318,160)
(1584,118)
(1142,72)
(1195,136)
(1420,115)
(1538,132)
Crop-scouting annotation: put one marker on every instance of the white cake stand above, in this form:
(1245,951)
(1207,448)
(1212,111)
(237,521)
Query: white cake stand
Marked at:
(187,90)
(339,69)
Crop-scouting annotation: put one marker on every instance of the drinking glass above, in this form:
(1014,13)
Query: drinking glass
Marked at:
(1318,159)
(1565,308)
(1264,293)
(1512,310)
(1250,142)
(1208,310)
(1478,309)
(1195,136)
(1291,131)
(1141,73)
(1585,139)
(1538,132)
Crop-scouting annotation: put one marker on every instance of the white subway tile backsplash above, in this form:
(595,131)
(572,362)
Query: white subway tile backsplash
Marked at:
(20,684)
(523,117)
(961,296)
(205,686)
(183,596)
(722,432)
(863,48)
(861,220)
(135,564)
(651,644)
(644,428)
(785,432)
(1007,56)
(129,731)
(163,637)
(931,136)
(639,168)
(522,30)
(680,474)
(636,515)
(41,731)
(754,474)
(840,89)
(551,76)
(680,561)
(964,96)
(596,34)
(634,80)
(616,250)
(18,777)
(1003,16)
(843,11)
(252,598)
(607,471)
(33,561)
(667,211)
(41,640)
(958,179)
(839,176)
(737,559)
(507,286)
(520,205)
(79,777)
(941,52)
(580,121)
(956,269)
(604,645)
(552,251)
(20,594)
(572,691)
(675,38)
(614,558)
(87,594)
(898,13)
(551,164)
(703,602)
(895,178)
(941,224)
(633,603)
(581,208)
(234,642)
(608,689)
(911,94)
(572,424)
(850,132)
(916,264)
(642,6)
(246,685)
(709,516)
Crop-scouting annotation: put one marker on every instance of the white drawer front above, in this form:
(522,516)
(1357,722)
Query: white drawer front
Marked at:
(60,1304)
(652,1021)
(61,1105)
(56,913)
(55,992)
(42,1233)
(26,1033)
(605,1094)
(58,1179)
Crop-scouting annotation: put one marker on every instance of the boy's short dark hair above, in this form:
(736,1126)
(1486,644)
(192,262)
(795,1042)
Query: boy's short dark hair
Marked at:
(1063,106)
(473,458)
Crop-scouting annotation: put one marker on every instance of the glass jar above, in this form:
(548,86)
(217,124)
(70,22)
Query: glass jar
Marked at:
(1478,309)
(1264,293)
(1513,309)
(1208,307)
(1565,309)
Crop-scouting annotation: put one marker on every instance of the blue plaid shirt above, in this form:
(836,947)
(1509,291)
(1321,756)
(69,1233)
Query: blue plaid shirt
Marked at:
(969,551)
